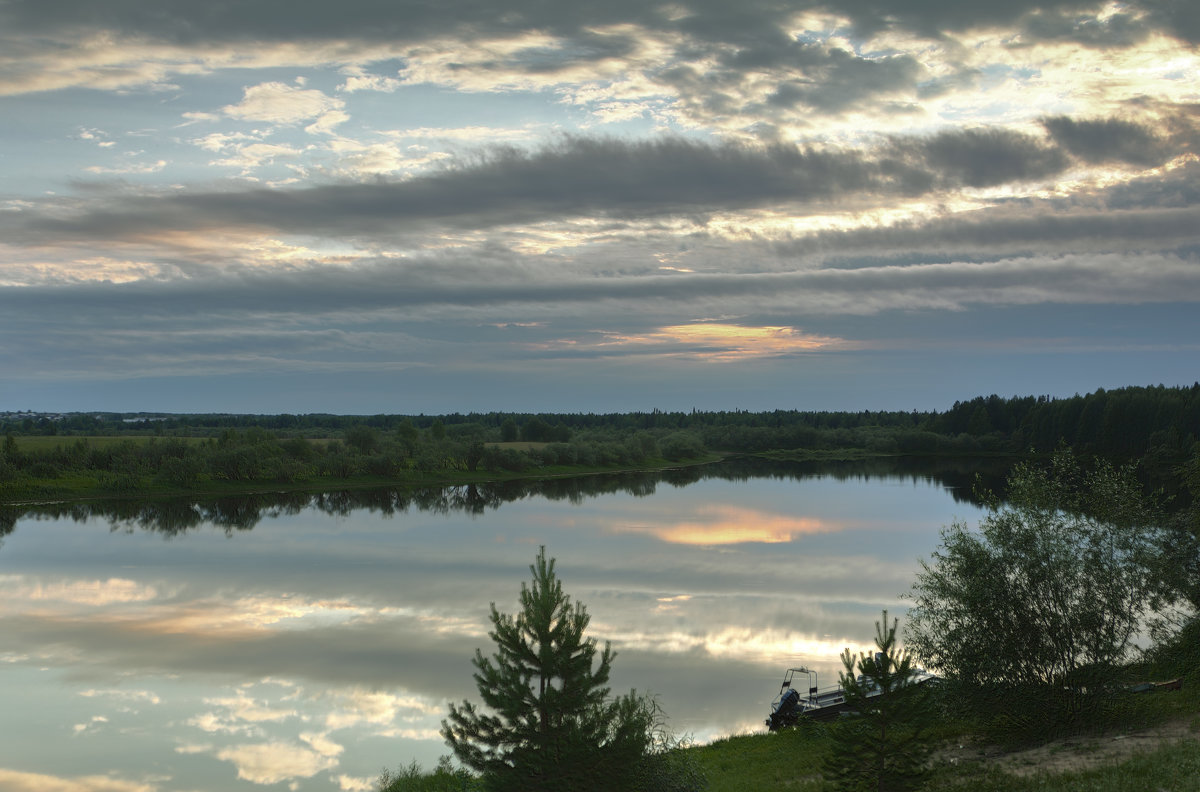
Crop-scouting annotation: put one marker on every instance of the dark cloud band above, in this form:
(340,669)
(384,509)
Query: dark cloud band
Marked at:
(610,177)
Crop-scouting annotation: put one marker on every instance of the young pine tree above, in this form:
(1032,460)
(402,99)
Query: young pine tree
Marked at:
(552,726)
(881,744)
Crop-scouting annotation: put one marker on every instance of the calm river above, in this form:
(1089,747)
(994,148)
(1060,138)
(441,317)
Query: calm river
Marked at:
(300,642)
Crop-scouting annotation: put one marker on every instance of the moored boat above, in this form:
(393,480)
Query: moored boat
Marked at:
(819,704)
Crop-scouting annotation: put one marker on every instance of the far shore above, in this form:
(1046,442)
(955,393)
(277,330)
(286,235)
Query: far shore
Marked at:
(72,492)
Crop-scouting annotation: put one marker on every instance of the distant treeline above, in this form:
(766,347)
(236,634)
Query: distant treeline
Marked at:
(1158,425)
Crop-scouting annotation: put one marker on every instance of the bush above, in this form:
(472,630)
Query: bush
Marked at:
(504,459)
(1045,600)
(381,465)
(121,482)
(445,778)
(339,464)
(44,469)
(180,472)
(1178,655)
(298,448)
(286,470)
(681,445)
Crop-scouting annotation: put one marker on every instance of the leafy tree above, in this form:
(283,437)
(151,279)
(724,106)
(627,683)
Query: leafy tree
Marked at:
(362,438)
(552,725)
(298,448)
(407,434)
(1046,597)
(1181,547)
(535,430)
(883,747)
(474,454)
(681,445)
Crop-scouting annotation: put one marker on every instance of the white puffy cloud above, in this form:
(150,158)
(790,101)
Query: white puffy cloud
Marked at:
(120,694)
(359,79)
(129,168)
(278,761)
(379,708)
(320,742)
(242,707)
(252,156)
(95,721)
(280,103)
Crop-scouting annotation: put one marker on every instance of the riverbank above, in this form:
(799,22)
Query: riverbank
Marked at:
(1162,757)
(89,486)
(1140,741)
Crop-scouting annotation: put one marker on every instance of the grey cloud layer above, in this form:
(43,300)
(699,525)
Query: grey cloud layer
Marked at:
(580,176)
(720,55)
(588,176)
(429,310)
(376,314)
(925,184)
(185,22)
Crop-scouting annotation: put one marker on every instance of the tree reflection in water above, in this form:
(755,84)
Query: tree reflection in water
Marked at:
(242,513)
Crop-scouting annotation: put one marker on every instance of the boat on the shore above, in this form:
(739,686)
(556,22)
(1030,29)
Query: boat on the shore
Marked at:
(1152,687)
(820,704)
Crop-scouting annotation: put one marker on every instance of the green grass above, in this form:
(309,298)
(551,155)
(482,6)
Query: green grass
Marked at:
(787,760)
(791,760)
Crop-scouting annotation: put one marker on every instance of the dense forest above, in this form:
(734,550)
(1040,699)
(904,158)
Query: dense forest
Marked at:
(52,455)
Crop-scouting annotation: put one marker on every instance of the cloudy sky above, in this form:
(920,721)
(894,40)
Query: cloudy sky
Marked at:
(380,206)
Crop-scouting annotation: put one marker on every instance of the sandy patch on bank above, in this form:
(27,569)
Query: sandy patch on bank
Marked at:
(1077,753)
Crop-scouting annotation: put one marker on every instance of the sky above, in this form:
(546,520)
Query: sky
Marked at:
(401,207)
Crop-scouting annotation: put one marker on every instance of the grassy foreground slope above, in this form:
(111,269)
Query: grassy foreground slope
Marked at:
(759,763)
(1129,742)
(1162,758)
(1158,748)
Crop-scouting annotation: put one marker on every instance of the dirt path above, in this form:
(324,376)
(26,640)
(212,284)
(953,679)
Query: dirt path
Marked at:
(1077,753)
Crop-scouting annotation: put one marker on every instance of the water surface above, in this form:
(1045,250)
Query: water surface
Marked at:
(305,642)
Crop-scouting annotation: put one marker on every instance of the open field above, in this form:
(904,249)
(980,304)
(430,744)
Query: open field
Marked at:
(519,445)
(41,443)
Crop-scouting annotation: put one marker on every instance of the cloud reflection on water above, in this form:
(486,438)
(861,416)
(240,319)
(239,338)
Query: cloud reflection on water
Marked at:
(722,524)
(93,593)
(323,644)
